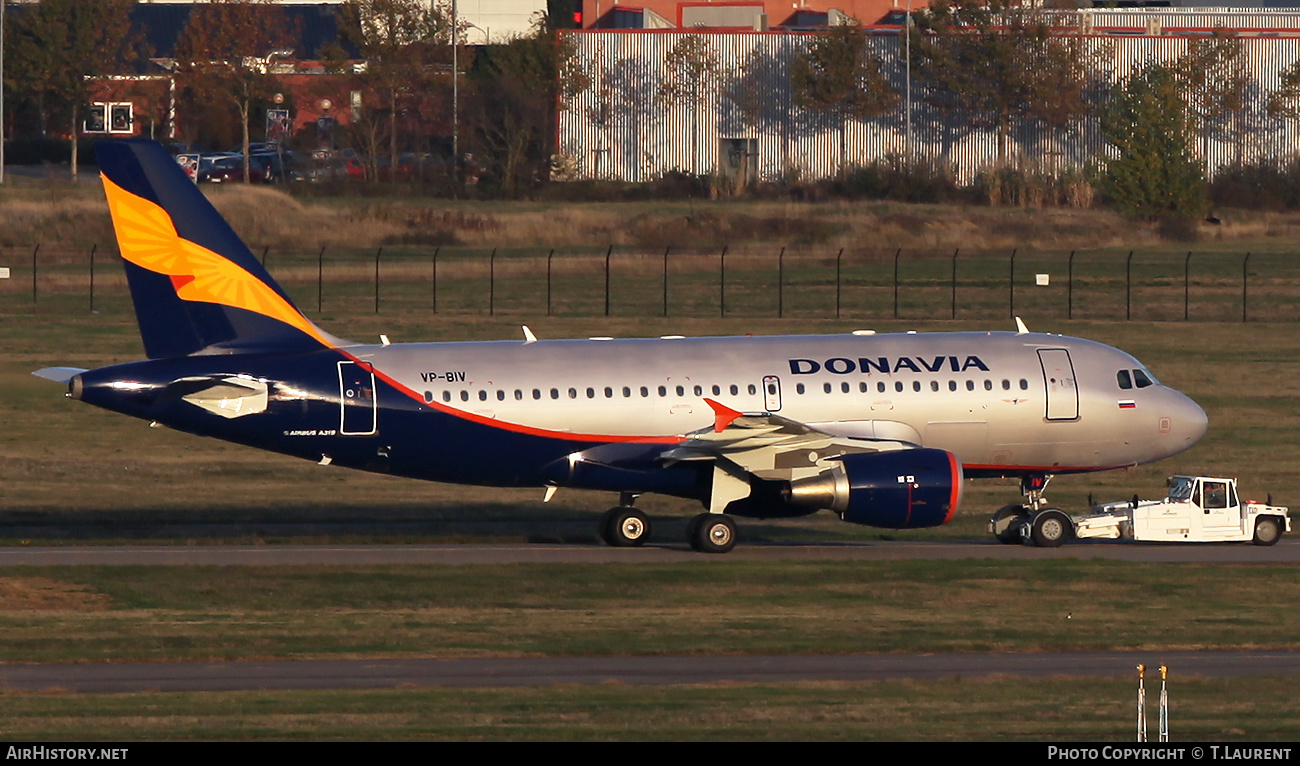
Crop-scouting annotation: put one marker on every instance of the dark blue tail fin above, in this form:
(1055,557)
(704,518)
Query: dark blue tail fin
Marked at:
(195,285)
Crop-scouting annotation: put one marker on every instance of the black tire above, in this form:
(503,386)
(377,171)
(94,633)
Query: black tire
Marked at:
(1051,528)
(712,533)
(627,528)
(1007,521)
(606,526)
(1268,530)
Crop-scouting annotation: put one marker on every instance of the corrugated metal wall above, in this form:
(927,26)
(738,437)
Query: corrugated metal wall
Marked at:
(620,127)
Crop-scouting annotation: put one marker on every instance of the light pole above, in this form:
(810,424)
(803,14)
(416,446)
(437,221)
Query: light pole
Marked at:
(2,91)
(907,116)
(455,89)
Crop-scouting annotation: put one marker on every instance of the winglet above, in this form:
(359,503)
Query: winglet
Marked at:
(723,415)
(1021,329)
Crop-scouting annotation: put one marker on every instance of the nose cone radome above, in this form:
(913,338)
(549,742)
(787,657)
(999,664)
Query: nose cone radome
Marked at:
(1188,422)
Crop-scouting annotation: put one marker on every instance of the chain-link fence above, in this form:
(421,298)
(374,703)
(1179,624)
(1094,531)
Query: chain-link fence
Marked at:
(1205,285)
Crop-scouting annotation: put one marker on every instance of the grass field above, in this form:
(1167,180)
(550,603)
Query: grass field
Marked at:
(1055,710)
(708,606)
(68,471)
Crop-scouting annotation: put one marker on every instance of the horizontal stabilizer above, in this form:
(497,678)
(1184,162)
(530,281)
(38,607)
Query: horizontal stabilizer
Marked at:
(229,396)
(58,374)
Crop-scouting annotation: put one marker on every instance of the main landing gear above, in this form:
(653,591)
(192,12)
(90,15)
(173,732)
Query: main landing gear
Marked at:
(711,533)
(627,527)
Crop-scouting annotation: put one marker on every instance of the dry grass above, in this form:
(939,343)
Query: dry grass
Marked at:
(42,594)
(74,216)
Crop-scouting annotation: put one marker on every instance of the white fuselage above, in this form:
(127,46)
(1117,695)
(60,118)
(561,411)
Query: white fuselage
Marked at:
(1002,402)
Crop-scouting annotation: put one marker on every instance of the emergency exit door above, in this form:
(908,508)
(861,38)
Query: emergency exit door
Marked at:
(772,393)
(356,399)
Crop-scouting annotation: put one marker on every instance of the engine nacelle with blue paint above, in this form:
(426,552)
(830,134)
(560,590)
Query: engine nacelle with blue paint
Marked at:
(899,489)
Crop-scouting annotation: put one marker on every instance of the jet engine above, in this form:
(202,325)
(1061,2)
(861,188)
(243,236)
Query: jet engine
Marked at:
(899,489)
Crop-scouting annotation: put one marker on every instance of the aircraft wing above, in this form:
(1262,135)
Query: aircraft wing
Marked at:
(768,445)
(740,449)
(762,445)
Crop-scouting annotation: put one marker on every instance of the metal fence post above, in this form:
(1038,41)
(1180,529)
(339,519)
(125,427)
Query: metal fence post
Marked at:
(1069,288)
(1011,285)
(1187,283)
(608,253)
(666,249)
(1245,263)
(549,256)
(839,257)
(897,252)
(1128,287)
(780,284)
(722,282)
(93,248)
(35,250)
(492,283)
(954,282)
(377,253)
(320,280)
(435,278)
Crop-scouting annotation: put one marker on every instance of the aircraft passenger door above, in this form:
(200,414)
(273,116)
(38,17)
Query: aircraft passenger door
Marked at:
(772,393)
(357,405)
(1058,378)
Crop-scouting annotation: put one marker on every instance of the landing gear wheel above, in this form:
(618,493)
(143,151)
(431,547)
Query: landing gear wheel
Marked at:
(712,533)
(1267,531)
(606,522)
(1050,528)
(1007,521)
(624,528)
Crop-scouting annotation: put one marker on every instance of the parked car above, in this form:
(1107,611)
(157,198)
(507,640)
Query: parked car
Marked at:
(230,169)
(316,169)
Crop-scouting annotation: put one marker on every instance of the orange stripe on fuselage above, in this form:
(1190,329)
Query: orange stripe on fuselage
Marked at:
(518,428)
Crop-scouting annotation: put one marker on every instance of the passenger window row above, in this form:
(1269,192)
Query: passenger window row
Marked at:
(645,392)
(899,386)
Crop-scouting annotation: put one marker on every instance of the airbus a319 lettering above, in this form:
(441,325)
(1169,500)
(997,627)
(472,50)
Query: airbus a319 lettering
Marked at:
(881,429)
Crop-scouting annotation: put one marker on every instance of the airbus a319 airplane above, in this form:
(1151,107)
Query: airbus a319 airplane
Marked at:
(880,429)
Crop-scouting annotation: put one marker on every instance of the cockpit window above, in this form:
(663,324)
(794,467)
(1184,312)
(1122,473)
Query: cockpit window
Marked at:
(1125,382)
(1143,378)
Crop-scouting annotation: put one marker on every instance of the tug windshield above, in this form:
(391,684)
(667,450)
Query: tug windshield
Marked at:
(1180,489)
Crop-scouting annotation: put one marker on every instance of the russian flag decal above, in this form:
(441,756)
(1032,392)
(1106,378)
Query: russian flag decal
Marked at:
(1127,404)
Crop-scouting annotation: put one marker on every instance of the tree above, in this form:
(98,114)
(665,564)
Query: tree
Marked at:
(404,44)
(691,72)
(59,44)
(1284,103)
(998,65)
(1213,79)
(1154,173)
(837,76)
(518,87)
(224,57)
